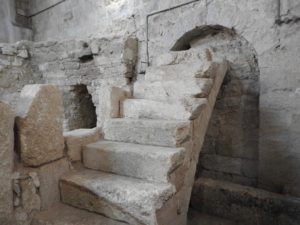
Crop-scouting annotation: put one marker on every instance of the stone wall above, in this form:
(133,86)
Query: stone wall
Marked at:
(13,27)
(275,42)
(96,64)
(230,150)
(15,71)
(275,38)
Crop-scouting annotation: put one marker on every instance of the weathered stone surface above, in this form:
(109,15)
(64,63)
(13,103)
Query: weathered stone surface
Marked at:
(243,204)
(140,161)
(183,57)
(204,69)
(149,132)
(198,218)
(126,199)
(31,201)
(173,90)
(49,176)
(6,161)
(61,214)
(109,103)
(76,139)
(221,164)
(39,124)
(149,109)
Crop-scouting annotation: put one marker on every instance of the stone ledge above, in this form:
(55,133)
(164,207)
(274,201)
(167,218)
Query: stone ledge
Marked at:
(248,205)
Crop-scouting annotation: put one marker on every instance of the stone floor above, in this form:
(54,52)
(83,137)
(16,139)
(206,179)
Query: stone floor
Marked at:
(197,218)
(65,215)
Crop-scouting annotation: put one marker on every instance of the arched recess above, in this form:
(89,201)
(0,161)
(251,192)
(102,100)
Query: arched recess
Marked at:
(80,111)
(230,150)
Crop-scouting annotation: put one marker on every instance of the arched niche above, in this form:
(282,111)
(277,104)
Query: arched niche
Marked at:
(80,111)
(230,151)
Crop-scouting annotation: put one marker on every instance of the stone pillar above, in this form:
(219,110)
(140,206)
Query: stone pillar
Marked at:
(40,124)
(6,162)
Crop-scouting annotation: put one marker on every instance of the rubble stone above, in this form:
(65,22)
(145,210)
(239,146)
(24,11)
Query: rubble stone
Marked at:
(6,161)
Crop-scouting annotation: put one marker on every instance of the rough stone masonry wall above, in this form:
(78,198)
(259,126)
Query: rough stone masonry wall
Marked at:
(275,37)
(81,68)
(15,71)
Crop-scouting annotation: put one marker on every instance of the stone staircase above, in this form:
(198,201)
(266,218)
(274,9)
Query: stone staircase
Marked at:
(142,172)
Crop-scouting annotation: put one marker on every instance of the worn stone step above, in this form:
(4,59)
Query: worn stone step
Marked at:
(204,69)
(61,214)
(173,90)
(134,201)
(149,109)
(152,163)
(179,57)
(76,139)
(149,132)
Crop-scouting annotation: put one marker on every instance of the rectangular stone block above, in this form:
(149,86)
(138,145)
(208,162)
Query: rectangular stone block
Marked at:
(40,124)
(148,132)
(49,176)
(75,140)
(151,163)
(6,161)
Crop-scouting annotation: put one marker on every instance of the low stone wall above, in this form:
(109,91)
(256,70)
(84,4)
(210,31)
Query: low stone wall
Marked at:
(245,205)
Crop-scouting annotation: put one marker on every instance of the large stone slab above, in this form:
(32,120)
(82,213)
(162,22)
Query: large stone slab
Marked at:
(181,57)
(149,109)
(125,199)
(151,163)
(76,139)
(205,69)
(109,102)
(49,176)
(173,90)
(6,161)
(40,124)
(148,132)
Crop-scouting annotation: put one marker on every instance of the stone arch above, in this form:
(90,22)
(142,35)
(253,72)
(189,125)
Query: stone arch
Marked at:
(230,151)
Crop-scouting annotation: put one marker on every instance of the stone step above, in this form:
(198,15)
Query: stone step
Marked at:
(122,198)
(76,139)
(149,109)
(173,90)
(151,163)
(148,132)
(205,69)
(61,214)
(181,57)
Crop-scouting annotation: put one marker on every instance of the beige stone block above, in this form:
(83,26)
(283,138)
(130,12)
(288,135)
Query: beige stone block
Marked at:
(122,198)
(173,90)
(75,140)
(166,133)
(49,177)
(110,99)
(6,161)
(39,124)
(153,163)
